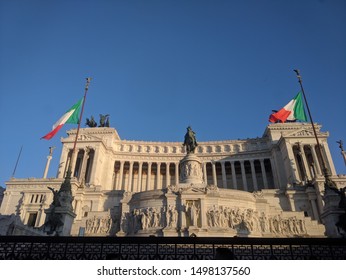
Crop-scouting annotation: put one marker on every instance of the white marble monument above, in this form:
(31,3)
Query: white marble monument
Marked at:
(269,186)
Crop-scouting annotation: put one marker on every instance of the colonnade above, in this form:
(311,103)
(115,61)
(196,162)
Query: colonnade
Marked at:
(308,161)
(82,162)
(247,175)
(144,176)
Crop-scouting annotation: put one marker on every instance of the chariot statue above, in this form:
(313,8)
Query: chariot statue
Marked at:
(91,122)
(104,120)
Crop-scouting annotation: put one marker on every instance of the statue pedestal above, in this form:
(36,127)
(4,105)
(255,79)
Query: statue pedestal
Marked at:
(191,170)
(59,221)
(60,215)
(331,213)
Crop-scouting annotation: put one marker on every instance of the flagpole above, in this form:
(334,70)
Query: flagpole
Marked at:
(81,114)
(15,167)
(66,185)
(324,167)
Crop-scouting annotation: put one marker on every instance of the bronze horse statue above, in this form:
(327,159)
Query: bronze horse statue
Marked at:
(190,141)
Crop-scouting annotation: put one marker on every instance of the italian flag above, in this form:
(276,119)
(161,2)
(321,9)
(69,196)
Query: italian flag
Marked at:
(71,116)
(293,111)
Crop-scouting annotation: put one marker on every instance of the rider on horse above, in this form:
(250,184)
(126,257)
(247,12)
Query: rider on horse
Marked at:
(190,141)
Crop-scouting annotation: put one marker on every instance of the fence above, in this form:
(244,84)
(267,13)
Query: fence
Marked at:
(168,248)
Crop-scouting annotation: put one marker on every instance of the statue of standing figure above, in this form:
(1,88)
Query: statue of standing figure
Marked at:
(341,145)
(192,212)
(190,141)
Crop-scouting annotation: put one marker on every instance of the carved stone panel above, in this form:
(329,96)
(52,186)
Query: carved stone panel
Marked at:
(191,170)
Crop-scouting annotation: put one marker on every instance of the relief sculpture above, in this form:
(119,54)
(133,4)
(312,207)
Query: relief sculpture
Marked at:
(143,219)
(223,217)
(98,224)
(251,221)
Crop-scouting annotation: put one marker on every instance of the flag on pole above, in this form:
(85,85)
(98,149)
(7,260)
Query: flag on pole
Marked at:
(293,111)
(71,116)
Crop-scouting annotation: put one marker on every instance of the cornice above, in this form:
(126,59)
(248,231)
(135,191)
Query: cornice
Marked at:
(36,183)
(137,149)
(292,126)
(176,148)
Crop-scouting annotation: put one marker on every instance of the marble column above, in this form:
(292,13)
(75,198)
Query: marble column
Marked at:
(74,159)
(315,159)
(168,176)
(253,173)
(243,175)
(177,173)
(158,176)
(214,173)
(328,158)
(275,174)
(121,174)
(305,162)
(139,183)
(84,164)
(93,178)
(264,174)
(223,171)
(49,158)
(149,177)
(343,153)
(130,187)
(234,176)
(291,164)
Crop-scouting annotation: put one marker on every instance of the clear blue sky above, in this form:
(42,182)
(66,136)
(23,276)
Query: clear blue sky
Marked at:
(159,66)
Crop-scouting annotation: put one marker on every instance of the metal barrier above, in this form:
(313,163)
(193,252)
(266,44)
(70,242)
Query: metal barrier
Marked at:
(169,248)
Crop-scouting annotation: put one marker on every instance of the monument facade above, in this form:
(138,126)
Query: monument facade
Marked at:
(269,186)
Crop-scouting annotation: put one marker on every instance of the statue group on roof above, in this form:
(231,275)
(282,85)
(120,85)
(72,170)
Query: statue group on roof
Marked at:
(104,121)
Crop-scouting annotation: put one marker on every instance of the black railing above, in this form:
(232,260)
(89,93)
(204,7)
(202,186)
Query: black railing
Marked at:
(169,248)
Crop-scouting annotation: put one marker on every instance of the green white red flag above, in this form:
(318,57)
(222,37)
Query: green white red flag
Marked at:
(293,111)
(71,116)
